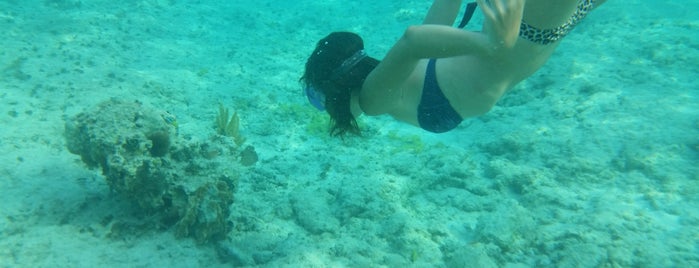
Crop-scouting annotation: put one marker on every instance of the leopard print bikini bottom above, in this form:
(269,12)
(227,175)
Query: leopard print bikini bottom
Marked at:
(548,36)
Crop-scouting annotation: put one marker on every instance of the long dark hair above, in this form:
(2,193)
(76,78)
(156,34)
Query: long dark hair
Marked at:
(324,73)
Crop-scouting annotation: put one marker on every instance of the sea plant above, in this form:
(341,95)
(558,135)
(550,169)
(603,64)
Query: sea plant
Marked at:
(228,127)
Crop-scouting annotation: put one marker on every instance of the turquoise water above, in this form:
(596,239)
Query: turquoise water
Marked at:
(590,162)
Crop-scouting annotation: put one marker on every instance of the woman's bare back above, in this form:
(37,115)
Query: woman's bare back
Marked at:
(473,83)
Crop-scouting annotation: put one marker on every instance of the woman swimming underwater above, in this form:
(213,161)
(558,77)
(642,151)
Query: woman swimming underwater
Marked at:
(437,75)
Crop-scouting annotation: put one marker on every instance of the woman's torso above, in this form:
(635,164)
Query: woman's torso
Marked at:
(473,83)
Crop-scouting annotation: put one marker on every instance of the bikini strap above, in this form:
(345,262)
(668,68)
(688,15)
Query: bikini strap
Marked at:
(470,9)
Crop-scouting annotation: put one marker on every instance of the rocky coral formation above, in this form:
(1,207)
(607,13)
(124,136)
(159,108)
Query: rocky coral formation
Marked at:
(184,183)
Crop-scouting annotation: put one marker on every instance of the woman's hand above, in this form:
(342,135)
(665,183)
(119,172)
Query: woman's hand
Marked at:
(504,18)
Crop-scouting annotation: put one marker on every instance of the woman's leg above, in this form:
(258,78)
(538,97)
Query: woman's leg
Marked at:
(443,12)
(599,3)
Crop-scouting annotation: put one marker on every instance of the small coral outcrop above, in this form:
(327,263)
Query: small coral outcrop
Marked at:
(201,218)
(184,184)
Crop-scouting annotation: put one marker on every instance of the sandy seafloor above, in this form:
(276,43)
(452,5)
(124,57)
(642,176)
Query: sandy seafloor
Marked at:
(592,162)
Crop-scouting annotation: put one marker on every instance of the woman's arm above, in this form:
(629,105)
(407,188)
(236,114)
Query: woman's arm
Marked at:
(502,20)
(381,91)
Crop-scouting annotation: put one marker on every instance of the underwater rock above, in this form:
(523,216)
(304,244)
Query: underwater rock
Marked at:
(207,214)
(143,159)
